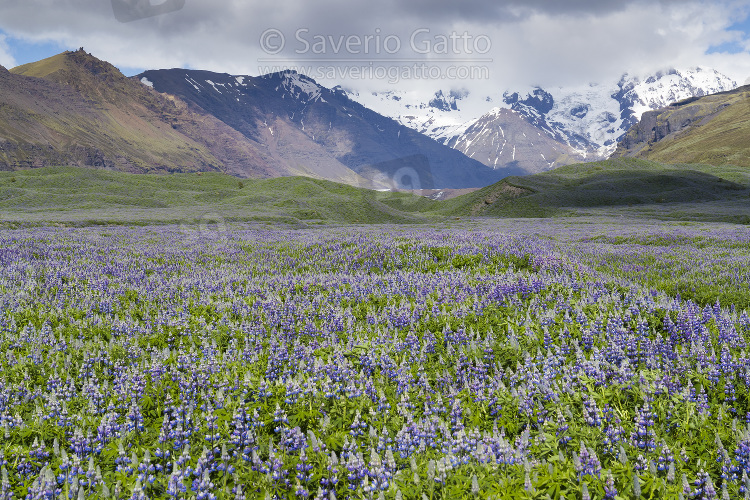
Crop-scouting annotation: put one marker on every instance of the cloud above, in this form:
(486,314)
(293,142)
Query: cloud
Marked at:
(533,42)
(6,58)
(514,10)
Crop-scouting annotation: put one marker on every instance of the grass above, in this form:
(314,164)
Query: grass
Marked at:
(44,67)
(71,195)
(611,187)
(631,188)
(717,134)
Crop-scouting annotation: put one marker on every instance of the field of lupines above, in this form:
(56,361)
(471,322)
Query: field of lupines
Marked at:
(499,360)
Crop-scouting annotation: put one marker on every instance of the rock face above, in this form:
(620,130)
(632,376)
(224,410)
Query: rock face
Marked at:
(504,140)
(711,129)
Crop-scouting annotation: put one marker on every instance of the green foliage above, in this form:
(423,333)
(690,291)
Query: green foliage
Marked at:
(211,321)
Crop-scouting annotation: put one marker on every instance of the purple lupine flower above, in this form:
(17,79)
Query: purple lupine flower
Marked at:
(586,462)
(203,488)
(613,431)
(6,493)
(665,459)
(44,486)
(591,412)
(610,491)
(742,455)
(643,436)
(176,483)
(303,468)
(562,430)
(703,487)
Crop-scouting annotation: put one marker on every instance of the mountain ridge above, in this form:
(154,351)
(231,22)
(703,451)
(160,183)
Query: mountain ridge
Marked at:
(87,113)
(709,129)
(103,119)
(329,127)
(583,123)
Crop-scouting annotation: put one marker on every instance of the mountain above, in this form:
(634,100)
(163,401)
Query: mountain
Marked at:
(713,130)
(73,109)
(322,131)
(572,124)
(503,139)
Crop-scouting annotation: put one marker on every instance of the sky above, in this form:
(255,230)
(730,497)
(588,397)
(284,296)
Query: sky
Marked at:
(491,45)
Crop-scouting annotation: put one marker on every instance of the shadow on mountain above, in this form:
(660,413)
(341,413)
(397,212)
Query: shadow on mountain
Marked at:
(633,188)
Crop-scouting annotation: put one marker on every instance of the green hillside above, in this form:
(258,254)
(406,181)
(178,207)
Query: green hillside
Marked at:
(620,186)
(74,195)
(713,130)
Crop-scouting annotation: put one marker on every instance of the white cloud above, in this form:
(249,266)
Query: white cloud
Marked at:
(533,43)
(6,58)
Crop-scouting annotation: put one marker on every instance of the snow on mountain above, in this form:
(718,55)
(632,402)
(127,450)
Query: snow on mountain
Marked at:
(602,114)
(663,89)
(586,122)
(503,138)
(289,84)
(441,116)
(303,128)
(300,87)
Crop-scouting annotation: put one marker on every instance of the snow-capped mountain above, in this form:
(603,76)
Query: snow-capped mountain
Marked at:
(571,124)
(440,116)
(663,89)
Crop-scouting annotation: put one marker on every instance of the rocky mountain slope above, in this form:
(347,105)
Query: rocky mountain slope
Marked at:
(709,130)
(572,124)
(319,130)
(73,109)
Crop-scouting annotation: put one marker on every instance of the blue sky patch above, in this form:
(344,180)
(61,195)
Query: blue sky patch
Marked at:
(734,47)
(25,51)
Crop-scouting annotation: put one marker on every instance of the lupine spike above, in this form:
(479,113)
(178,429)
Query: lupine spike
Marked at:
(636,486)
(622,456)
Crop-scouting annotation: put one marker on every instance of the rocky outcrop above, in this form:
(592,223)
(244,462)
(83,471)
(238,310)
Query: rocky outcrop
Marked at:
(673,121)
